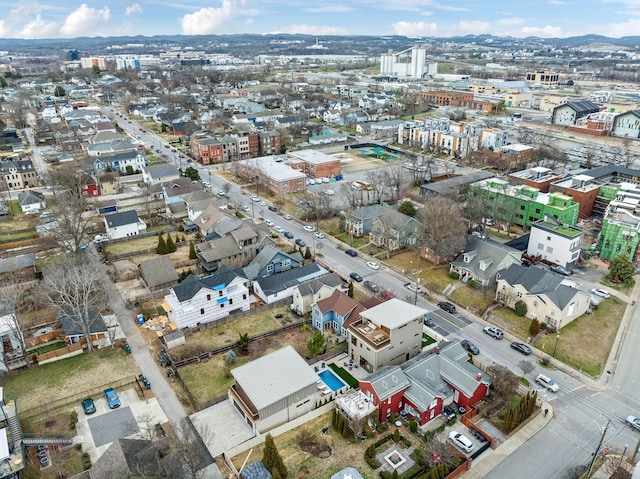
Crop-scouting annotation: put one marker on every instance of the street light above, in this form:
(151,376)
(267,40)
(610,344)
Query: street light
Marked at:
(415,299)
(556,345)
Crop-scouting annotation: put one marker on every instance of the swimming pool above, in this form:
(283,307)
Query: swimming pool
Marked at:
(331,380)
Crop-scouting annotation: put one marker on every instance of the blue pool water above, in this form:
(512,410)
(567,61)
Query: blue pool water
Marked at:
(331,380)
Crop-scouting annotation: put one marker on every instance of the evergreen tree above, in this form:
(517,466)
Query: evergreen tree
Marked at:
(395,474)
(162,245)
(171,246)
(534,327)
(350,291)
(192,251)
(307,253)
(271,458)
(396,436)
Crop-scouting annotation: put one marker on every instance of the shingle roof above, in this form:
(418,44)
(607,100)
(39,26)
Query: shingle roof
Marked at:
(158,271)
(311,287)
(538,281)
(487,251)
(368,212)
(15,263)
(339,302)
(282,281)
(71,327)
(388,381)
(30,197)
(192,283)
(121,218)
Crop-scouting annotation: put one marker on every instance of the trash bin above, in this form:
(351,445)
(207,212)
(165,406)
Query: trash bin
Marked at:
(148,385)
(127,348)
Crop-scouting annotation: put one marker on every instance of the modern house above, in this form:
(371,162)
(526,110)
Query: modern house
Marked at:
(124,224)
(425,384)
(271,260)
(555,242)
(548,297)
(31,202)
(483,259)
(620,233)
(387,334)
(394,230)
(274,389)
(360,222)
(627,124)
(310,292)
(202,300)
(277,287)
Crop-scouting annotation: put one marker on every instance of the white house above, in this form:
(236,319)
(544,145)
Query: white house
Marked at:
(280,285)
(554,241)
(208,299)
(31,202)
(124,224)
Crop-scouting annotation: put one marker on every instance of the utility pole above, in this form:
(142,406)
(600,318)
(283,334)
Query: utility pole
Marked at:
(595,454)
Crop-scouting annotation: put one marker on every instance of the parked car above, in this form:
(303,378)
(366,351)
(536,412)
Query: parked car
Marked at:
(255,199)
(308,228)
(461,441)
(634,422)
(112,398)
(246,208)
(413,288)
(300,243)
(373,265)
(269,223)
(547,382)
(387,295)
(428,321)
(556,268)
(278,229)
(371,286)
(601,292)
(469,346)
(221,193)
(262,203)
(288,234)
(273,208)
(88,406)
(493,332)
(286,217)
(351,252)
(447,306)
(319,234)
(521,348)
(356,277)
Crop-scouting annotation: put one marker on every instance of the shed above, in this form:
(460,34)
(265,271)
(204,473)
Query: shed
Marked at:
(125,270)
(158,273)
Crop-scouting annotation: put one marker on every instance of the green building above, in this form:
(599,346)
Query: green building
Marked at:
(620,232)
(523,205)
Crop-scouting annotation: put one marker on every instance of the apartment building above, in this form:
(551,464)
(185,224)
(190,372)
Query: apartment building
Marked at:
(555,242)
(273,173)
(620,233)
(315,164)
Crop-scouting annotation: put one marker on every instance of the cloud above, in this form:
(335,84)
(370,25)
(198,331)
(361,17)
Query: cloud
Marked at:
(133,9)
(330,9)
(546,31)
(424,29)
(315,30)
(210,20)
(38,28)
(85,21)
(511,21)
(558,2)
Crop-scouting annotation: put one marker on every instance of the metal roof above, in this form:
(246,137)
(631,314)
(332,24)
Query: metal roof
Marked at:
(393,313)
(274,377)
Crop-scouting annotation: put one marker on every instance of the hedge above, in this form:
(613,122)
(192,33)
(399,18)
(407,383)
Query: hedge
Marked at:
(345,376)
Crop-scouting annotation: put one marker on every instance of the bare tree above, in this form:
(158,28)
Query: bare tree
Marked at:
(504,381)
(376,179)
(193,450)
(526,367)
(444,229)
(75,288)
(351,196)
(12,293)
(438,451)
(317,206)
(395,179)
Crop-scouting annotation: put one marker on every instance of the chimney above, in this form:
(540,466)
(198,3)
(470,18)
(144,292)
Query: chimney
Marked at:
(479,377)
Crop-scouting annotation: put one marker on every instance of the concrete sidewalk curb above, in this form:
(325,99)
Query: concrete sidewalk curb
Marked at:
(481,467)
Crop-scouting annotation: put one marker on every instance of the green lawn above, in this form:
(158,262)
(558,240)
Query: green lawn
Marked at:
(517,325)
(253,324)
(208,380)
(16,211)
(475,299)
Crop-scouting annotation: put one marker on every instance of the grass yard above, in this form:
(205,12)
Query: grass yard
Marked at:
(579,346)
(434,279)
(208,380)
(69,376)
(515,324)
(624,288)
(474,299)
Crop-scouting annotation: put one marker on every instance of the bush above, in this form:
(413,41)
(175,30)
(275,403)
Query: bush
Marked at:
(473,284)
(534,327)
(373,462)
(413,426)
(454,275)
(521,308)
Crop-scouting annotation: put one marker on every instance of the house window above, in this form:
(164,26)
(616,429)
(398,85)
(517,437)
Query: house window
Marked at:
(535,303)
(201,310)
(230,300)
(540,246)
(549,250)
(244,296)
(221,305)
(522,207)
(519,295)
(208,297)
(269,268)
(537,211)
(220,293)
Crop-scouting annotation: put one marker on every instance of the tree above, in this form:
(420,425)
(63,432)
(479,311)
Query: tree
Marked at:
(59,91)
(307,253)
(534,327)
(75,288)
(271,458)
(192,251)
(244,342)
(520,308)
(350,291)
(408,208)
(191,173)
(621,270)
(12,294)
(504,381)
(171,246)
(526,367)
(316,344)
(161,248)
(395,180)
(444,230)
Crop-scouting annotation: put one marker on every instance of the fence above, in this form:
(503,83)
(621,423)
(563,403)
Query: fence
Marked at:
(117,257)
(50,408)
(168,229)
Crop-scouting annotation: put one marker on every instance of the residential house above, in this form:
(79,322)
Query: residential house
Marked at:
(334,313)
(126,162)
(158,273)
(360,222)
(555,242)
(386,128)
(21,267)
(175,191)
(75,329)
(394,230)
(159,173)
(274,389)
(387,334)
(278,287)
(425,384)
(113,147)
(12,355)
(271,260)
(548,297)
(18,173)
(31,202)
(482,260)
(88,186)
(305,295)
(108,183)
(207,299)
(124,224)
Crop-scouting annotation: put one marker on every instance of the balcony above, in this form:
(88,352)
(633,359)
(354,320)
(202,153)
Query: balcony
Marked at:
(243,401)
(370,334)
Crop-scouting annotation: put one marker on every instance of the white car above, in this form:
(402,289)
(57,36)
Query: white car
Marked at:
(311,181)
(461,441)
(246,208)
(269,223)
(373,265)
(286,217)
(308,228)
(326,180)
(255,199)
(601,292)
(279,229)
(319,234)
(262,203)
(634,422)
(547,383)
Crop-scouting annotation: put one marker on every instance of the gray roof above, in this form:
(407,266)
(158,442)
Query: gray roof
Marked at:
(450,186)
(161,170)
(158,271)
(121,218)
(218,248)
(487,251)
(265,256)
(538,281)
(583,107)
(311,287)
(347,473)
(192,283)
(426,381)
(16,263)
(367,213)
(388,381)
(30,197)
(256,471)
(393,313)
(274,377)
(71,325)
(282,281)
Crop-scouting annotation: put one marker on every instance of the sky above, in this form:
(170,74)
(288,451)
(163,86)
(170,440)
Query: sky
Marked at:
(32,19)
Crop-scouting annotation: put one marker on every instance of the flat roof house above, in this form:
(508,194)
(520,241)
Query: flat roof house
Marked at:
(274,389)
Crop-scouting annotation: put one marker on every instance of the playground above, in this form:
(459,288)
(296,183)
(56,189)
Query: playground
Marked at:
(378,152)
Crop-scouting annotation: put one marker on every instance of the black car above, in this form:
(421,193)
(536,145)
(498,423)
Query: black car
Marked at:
(300,243)
(372,286)
(447,306)
(288,234)
(351,252)
(273,208)
(469,346)
(356,277)
(521,348)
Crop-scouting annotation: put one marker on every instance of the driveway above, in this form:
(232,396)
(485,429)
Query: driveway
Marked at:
(221,427)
